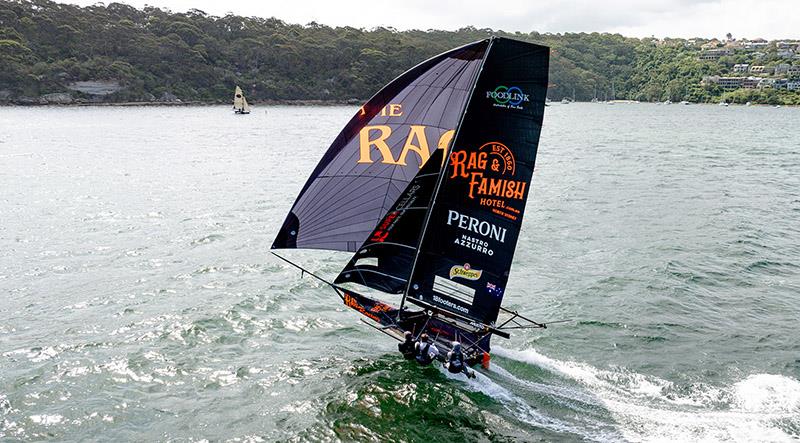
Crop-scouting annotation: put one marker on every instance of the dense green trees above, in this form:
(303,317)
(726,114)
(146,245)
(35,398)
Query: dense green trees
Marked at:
(46,46)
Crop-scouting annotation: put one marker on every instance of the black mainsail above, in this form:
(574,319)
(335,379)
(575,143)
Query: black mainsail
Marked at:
(437,222)
(467,246)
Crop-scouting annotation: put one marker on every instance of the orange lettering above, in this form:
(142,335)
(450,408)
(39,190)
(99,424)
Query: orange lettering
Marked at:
(379,143)
(457,159)
(421,148)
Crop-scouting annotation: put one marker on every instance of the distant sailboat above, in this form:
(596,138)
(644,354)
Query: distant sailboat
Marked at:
(240,105)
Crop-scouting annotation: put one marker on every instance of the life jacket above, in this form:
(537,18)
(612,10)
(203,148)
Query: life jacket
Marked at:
(456,363)
(423,357)
(407,349)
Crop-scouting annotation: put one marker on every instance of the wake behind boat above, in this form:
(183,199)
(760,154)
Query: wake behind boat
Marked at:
(427,186)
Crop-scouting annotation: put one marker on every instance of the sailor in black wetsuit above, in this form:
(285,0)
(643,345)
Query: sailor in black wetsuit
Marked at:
(455,361)
(407,347)
(425,352)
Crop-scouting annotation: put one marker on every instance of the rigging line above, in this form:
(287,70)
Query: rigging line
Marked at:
(380,329)
(305,270)
(443,170)
(476,344)
(425,325)
(516,314)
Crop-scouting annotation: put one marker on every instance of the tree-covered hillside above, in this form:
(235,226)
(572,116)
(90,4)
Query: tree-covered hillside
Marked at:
(143,55)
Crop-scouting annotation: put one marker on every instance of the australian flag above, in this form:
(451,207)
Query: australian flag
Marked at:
(494,290)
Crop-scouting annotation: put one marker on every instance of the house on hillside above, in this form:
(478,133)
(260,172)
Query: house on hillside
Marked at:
(714,54)
(785,44)
(782,68)
(793,85)
(741,67)
(757,69)
(766,83)
(755,45)
(724,82)
(751,82)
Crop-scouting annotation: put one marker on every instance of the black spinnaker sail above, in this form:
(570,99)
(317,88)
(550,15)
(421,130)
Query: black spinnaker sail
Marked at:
(437,222)
(379,151)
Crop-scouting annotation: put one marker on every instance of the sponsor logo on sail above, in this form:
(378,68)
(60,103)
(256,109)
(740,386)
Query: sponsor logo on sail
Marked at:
(478,226)
(465,272)
(475,244)
(383,230)
(508,97)
(417,144)
(488,174)
(448,303)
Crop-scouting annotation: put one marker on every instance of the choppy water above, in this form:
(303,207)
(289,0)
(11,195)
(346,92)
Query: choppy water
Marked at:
(139,301)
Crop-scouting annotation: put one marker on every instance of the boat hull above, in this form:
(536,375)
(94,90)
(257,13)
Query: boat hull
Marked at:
(391,321)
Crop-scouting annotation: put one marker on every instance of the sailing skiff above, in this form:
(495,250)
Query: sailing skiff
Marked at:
(427,186)
(240,105)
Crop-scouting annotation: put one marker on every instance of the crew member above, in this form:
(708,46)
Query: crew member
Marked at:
(455,361)
(426,351)
(407,347)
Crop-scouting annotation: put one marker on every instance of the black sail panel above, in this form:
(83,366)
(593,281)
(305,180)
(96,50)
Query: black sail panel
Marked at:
(468,245)
(379,151)
(384,261)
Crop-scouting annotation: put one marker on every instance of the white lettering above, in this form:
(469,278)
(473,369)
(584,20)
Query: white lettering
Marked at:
(477,226)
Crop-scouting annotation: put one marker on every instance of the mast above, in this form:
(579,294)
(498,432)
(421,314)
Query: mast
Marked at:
(442,173)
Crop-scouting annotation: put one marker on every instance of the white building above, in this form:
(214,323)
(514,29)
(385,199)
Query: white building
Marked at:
(741,67)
